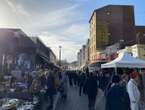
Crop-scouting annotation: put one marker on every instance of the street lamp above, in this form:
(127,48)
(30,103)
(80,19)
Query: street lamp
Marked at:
(60,55)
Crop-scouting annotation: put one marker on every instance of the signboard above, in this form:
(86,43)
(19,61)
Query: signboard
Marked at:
(101,57)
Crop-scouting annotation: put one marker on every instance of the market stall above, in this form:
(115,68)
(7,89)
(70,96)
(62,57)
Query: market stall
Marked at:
(124,60)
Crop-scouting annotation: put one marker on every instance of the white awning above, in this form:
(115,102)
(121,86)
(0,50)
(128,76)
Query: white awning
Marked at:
(125,60)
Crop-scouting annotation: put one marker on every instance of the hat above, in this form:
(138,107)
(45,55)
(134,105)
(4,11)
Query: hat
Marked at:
(133,75)
(116,79)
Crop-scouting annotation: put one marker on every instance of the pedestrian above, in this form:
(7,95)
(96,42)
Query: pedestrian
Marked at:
(142,91)
(133,91)
(70,76)
(51,90)
(64,85)
(91,89)
(108,85)
(82,79)
(43,80)
(78,78)
(29,80)
(35,90)
(104,81)
(124,80)
(117,97)
(75,78)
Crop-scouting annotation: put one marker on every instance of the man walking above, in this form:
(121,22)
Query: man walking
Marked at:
(117,97)
(51,90)
(82,79)
(91,89)
(133,91)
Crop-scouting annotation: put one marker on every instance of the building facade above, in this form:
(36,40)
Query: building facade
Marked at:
(20,52)
(16,50)
(113,24)
(87,52)
(140,34)
(79,59)
(111,51)
(137,50)
(83,55)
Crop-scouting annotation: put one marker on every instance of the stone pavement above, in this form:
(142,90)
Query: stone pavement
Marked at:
(76,102)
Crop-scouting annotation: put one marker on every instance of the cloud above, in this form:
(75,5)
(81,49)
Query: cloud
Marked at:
(60,17)
(76,30)
(80,0)
(69,48)
(17,8)
(71,39)
(56,23)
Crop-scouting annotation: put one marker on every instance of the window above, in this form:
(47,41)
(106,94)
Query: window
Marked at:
(108,13)
(109,34)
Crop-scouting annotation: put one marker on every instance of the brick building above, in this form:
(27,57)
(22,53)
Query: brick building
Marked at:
(113,24)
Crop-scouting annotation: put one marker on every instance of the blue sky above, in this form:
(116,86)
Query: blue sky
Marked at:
(59,22)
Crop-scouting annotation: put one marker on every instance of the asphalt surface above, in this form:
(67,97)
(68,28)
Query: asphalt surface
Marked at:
(76,102)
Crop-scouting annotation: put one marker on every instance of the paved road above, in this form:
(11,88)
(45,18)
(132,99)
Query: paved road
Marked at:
(100,101)
(75,102)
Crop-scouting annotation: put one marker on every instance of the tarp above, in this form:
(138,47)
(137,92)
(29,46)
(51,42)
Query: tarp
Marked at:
(125,60)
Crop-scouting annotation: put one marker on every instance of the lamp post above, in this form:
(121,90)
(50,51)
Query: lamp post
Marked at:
(60,55)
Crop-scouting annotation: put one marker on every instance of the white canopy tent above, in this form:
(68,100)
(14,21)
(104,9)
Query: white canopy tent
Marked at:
(125,60)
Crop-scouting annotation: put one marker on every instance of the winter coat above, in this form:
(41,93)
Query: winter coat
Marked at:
(91,87)
(64,84)
(117,99)
(103,82)
(82,80)
(134,94)
(142,101)
(43,81)
(51,90)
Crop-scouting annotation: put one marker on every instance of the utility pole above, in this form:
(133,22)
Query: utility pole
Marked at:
(60,56)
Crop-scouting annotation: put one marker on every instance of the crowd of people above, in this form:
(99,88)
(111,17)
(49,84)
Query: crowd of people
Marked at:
(43,85)
(121,92)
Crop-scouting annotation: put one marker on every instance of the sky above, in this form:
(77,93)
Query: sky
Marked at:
(59,22)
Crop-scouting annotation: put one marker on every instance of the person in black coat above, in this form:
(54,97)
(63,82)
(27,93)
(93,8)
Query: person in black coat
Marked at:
(75,78)
(91,89)
(104,80)
(70,76)
(51,90)
(82,79)
(117,98)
